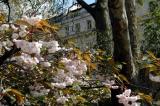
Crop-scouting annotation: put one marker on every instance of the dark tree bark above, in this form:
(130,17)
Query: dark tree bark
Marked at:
(132,25)
(8,54)
(104,38)
(114,99)
(122,47)
(100,14)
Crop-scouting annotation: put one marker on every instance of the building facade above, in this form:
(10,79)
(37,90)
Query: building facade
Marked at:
(77,26)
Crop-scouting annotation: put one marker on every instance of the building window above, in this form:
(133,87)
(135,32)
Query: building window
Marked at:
(77,27)
(67,29)
(72,28)
(89,24)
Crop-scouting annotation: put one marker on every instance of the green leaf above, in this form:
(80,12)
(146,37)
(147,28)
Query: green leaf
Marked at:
(140,2)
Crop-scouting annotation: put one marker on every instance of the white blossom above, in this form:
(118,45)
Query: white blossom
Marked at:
(29,47)
(4,27)
(154,78)
(23,27)
(38,90)
(114,87)
(69,80)
(53,49)
(15,36)
(74,69)
(7,44)
(59,85)
(23,33)
(26,59)
(14,28)
(62,100)
(32,20)
(46,64)
(52,46)
(126,97)
(65,60)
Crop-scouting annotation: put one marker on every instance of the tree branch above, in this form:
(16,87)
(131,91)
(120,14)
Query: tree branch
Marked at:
(9,11)
(8,54)
(86,6)
(6,2)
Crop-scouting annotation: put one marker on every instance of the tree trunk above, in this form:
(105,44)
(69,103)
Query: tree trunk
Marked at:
(122,48)
(132,25)
(104,38)
(101,17)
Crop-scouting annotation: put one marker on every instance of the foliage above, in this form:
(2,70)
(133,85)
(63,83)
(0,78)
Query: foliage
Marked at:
(152,64)
(151,25)
(140,2)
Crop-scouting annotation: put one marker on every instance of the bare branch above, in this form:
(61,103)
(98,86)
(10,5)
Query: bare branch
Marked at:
(8,54)
(6,2)
(16,65)
(9,11)
(87,7)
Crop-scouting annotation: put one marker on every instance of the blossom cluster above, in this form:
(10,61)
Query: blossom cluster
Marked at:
(52,46)
(29,47)
(127,100)
(7,44)
(20,32)
(38,90)
(4,27)
(74,70)
(34,48)
(32,20)
(26,60)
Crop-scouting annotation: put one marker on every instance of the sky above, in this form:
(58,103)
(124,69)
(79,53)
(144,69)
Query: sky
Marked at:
(88,1)
(75,7)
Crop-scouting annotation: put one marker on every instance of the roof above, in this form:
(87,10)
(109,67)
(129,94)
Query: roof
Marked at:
(74,9)
(80,7)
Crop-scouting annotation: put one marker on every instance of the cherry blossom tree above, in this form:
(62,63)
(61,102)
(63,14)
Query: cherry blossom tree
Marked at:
(35,69)
(34,66)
